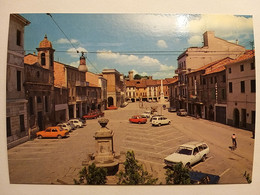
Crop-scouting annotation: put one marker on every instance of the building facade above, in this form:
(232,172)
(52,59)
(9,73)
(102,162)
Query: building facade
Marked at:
(213,49)
(114,87)
(39,87)
(16,102)
(241,94)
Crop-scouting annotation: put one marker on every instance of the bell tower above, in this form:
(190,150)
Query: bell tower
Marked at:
(46,54)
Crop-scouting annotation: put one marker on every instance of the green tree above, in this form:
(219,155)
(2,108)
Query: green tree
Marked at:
(137,76)
(178,175)
(134,173)
(92,176)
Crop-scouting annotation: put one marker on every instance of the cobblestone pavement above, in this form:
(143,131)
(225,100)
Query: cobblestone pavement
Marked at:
(53,161)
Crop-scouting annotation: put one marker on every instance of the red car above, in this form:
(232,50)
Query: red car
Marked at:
(138,119)
(112,107)
(90,116)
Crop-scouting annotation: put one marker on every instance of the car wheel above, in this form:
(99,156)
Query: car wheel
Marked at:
(203,158)
(77,126)
(139,122)
(188,166)
(39,137)
(169,122)
(159,124)
(59,137)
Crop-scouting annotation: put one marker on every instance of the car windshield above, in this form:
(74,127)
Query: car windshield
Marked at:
(184,150)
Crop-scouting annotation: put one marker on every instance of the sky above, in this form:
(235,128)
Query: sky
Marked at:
(148,44)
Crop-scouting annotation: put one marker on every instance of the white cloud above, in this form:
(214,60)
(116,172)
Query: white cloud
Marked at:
(74,64)
(162,44)
(64,41)
(225,26)
(73,53)
(195,40)
(128,60)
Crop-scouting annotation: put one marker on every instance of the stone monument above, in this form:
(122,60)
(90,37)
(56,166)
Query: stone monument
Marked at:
(105,154)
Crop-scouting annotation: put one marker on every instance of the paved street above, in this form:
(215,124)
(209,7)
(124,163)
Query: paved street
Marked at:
(56,161)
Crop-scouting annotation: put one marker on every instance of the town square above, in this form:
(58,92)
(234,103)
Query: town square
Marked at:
(111,100)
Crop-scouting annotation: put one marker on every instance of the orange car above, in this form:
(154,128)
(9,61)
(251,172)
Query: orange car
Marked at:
(56,131)
(138,119)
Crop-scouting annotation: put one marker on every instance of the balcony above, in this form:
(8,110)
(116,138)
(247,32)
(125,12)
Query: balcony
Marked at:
(81,84)
(180,71)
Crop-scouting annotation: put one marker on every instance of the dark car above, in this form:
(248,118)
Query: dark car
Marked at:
(203,178)
(172,109)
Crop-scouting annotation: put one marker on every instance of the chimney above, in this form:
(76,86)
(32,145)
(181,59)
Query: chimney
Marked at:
(131,75)
(207,37)
(82,65)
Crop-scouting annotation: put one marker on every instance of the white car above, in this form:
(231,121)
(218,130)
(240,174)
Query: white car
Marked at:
(182,112)
(189,154)
(147,114)
(160,120)
(65,126)
(76,122)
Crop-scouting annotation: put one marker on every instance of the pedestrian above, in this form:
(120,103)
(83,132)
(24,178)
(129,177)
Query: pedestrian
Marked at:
(234,141)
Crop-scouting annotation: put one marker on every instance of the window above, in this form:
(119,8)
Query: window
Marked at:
(224,78)
(18,75)
(204,81)
(18,37)
(211,80)
(48,130)
(22,128)
(229,71)
(216,80)
(252,86)
(252,66)
(230,87)
(242,84)
(241,68)
(43,62)
(51,59)
(253,117)
(196,151)
(39,99)
(8,127)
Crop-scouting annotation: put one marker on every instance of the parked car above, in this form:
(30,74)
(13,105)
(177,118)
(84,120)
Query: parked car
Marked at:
(76,122)
(155,115)
(138,119)
(172,109)
(160,120)
(203,178)
(81,120)
(147,114)
(188,153)
(73,127)
(182,112)
(90,116)
(112,107)
(52,132)
(65,126)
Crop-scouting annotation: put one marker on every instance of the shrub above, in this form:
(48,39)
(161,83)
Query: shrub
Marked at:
(92,176)
(134,173)
(178,175)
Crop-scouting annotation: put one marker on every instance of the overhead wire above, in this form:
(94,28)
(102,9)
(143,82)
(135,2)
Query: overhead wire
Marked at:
(71,42)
